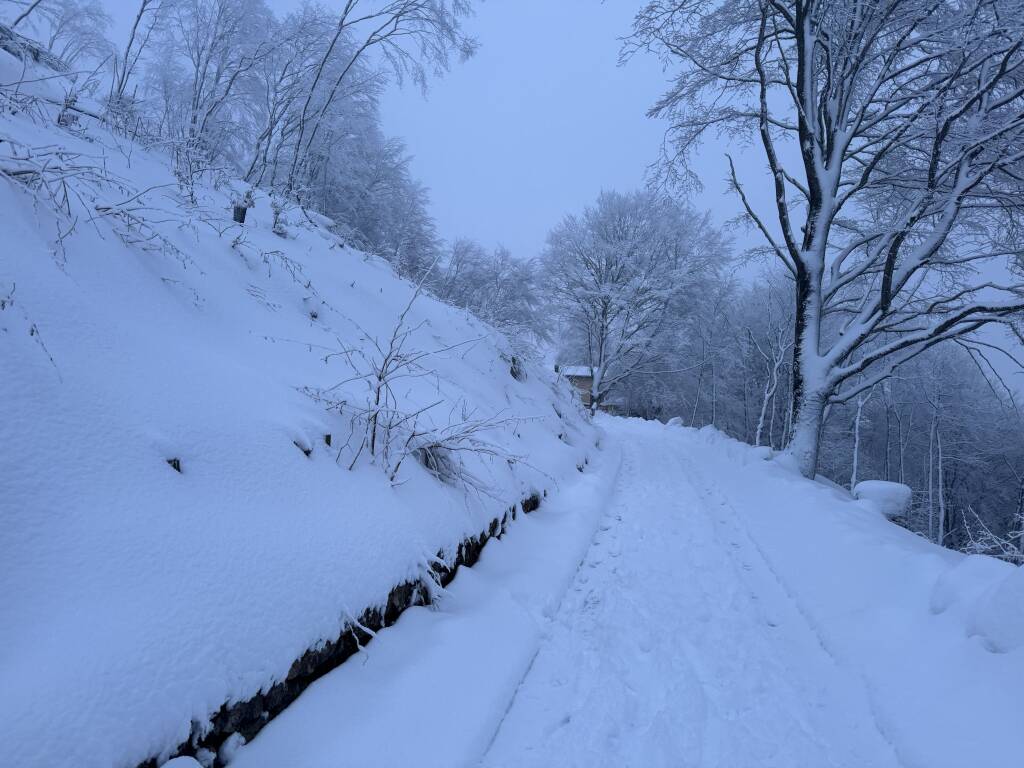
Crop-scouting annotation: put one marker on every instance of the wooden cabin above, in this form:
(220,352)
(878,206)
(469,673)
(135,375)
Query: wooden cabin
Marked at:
(581,377)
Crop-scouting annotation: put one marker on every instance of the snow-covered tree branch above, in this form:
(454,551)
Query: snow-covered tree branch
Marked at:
(893,133)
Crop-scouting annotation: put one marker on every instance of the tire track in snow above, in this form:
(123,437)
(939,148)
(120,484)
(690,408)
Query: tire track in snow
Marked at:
(714,496)
(676,646)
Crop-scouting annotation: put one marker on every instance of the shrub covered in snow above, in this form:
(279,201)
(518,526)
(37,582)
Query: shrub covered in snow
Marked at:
(892,499)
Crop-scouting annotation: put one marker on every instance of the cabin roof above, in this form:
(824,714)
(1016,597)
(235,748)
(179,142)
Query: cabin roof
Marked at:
(575,370)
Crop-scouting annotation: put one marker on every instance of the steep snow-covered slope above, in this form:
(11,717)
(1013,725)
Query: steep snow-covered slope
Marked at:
(143,333)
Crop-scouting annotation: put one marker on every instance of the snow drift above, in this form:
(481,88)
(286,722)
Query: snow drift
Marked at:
(182,400)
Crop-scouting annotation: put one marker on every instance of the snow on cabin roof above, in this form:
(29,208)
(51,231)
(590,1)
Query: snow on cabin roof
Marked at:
(575,370)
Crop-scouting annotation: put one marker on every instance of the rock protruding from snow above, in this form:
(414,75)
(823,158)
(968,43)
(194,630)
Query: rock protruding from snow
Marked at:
(892,499)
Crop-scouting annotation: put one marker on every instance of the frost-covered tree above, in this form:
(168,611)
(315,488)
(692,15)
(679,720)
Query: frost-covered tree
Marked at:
(289,104)
(207,71)
(74,31)
(497,287)
(147,17)
(893,132)
(410,37)
(613,272)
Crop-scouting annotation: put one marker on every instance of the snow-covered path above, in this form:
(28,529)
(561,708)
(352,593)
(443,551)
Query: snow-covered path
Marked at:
(682,603)
(677,646)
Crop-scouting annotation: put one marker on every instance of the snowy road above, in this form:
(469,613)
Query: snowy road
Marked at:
(676,645)
(672,644)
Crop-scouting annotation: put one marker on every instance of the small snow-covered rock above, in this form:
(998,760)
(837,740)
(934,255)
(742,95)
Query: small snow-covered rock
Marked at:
(183,762)
(892,499)
(230,748)
(676,421)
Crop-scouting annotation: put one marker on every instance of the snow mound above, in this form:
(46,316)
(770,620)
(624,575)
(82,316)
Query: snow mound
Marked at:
(188,501)
(986,597)
(892,499)
(998,616)
(963,584)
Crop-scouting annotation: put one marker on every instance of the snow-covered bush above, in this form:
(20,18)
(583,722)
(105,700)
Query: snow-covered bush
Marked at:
(892,499)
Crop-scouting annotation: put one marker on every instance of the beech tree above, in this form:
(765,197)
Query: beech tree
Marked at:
(893,132)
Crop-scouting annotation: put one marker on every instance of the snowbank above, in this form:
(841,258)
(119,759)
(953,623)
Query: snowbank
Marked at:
(180,522)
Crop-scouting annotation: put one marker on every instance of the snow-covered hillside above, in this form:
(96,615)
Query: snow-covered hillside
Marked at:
(190,498)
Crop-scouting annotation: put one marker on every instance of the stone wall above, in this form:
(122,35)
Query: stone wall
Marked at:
(247,718)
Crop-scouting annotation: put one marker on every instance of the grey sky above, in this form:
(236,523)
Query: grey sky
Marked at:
(537,123)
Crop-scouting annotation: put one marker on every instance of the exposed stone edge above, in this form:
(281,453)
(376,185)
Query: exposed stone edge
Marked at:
(248,717)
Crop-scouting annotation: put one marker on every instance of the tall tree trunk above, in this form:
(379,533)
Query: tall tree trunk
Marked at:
(856,441)
(806,442)
(888,433)
(1019,517)
(942,490)
(809,395)
(765,400)
(931,485)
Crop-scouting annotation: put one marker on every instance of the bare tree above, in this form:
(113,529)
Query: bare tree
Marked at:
(498,288)
(411,35)
(893,132)
(773,345)
(76,30)
(210,49)
(146,18)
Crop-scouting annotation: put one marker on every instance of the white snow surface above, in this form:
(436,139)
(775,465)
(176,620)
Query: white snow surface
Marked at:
(683,602)
(136,600)
(727,614)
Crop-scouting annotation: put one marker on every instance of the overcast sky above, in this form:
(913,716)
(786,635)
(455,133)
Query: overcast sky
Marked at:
(537,123)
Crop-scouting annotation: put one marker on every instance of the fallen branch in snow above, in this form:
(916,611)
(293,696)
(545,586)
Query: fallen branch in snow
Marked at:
(25,48)
(982,541)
